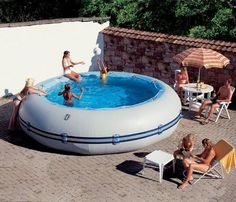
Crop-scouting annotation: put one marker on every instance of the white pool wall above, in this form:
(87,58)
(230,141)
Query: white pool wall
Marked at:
(36,51)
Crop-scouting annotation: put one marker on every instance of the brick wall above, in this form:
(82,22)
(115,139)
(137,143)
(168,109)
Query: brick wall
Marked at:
(152,54)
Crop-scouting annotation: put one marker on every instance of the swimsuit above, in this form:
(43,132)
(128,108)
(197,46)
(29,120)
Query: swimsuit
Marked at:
(17,98)
(67,70)
(182,78)
(103,76)
(213,100)
(69,104)
(66,95)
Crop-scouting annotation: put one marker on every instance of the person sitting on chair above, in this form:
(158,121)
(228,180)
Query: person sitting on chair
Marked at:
(224,94)
(185,147)
(67,64)
(201,162)
(67,94)
(181,78)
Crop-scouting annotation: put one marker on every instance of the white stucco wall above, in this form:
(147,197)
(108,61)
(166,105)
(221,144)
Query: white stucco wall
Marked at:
(36,51)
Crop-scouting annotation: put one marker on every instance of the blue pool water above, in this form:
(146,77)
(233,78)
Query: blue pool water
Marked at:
(116,91)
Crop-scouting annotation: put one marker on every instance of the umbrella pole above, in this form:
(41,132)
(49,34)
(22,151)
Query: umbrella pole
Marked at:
(198,78)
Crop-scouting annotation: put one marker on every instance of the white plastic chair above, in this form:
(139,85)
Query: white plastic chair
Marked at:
(222,110)
(224,107)
(177,71)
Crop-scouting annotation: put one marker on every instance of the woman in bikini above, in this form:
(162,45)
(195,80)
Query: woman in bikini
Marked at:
(28,89)
(181,78)
(185,147)
(68,95)
(201,162)
(67,64)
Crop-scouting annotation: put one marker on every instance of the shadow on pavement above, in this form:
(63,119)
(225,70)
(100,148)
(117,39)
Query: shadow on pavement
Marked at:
(135,168)
(130,167)
(186,114)
(141,154)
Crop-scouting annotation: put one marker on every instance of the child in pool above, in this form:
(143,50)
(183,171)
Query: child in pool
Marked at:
(67,94)
(103,69)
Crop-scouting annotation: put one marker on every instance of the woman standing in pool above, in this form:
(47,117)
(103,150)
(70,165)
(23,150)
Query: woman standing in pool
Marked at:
(67,64)
(28,89)
(67,94)
(103,69)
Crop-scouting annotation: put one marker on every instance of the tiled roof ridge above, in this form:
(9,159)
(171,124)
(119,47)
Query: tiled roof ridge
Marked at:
(168,38)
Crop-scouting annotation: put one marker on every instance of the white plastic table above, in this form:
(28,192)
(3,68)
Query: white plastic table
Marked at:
(158,158)
(191,88)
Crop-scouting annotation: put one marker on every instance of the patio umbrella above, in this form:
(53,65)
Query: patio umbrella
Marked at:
(201,57)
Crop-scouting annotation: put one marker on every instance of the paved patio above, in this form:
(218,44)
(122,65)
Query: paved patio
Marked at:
(31,172)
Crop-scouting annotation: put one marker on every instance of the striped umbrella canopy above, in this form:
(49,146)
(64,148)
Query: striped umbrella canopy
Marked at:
(201,57)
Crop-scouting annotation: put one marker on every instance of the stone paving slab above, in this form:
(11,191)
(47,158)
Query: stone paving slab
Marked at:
(32,172)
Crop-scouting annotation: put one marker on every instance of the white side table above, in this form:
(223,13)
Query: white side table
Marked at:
(191,89)
(158,158)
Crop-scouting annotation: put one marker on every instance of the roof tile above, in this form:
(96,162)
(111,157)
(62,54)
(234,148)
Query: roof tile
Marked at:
(229,49)
(174,39)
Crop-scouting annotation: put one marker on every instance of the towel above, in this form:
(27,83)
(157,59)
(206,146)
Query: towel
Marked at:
(229,161)
(225,153)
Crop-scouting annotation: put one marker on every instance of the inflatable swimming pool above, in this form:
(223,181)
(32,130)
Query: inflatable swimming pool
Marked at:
(124,113)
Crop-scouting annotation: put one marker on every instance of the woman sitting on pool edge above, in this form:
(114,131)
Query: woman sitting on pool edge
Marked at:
(67,94)
(103,69)
(67,64)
